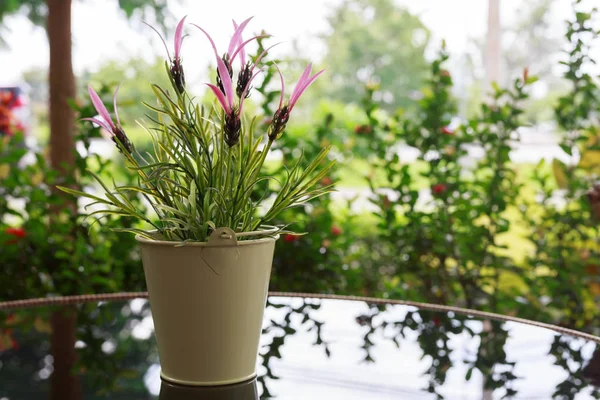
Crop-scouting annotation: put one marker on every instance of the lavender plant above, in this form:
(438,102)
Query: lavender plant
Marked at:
(206,161)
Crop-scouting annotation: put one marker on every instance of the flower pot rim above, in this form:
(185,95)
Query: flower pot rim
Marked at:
(263,230)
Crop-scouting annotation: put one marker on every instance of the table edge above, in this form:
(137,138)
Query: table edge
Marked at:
(78,299)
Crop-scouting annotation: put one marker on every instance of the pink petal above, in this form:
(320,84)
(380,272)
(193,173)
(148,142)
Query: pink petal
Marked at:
(226,80)
(241,49)
(99,106)
(301,81)
(237,35)
(299,90)
(178,38)
(220,97)
(235,40)
(100,122)
(210,39)
(282,86)
(115,106)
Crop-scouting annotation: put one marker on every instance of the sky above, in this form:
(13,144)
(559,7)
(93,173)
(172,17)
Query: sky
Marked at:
(101,31)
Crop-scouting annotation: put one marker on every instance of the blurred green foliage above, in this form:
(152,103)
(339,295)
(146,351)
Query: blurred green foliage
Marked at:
(432,231)
(375,41)
(59,251)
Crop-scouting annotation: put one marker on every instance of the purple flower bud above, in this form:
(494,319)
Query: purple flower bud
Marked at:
(113,127)
(232,128)
(282,115)
(177,75)
(243,83)
(279,122)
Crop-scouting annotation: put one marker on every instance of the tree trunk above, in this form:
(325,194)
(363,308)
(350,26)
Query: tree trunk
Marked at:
(62,85)
(64,384)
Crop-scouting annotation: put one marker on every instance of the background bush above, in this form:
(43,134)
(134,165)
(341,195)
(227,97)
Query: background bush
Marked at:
(483,233)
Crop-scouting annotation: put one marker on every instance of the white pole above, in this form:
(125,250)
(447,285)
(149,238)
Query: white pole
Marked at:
(492,44)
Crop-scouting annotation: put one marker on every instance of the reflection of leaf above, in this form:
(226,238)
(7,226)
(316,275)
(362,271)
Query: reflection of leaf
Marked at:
(560,173)
(5,341)
(129,373)
(41,325)
(590,159)
(4,171)
(469,373)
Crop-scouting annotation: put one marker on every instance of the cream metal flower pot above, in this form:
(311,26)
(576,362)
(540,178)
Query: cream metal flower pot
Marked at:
(207,302)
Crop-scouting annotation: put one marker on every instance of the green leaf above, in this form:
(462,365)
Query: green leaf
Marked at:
(560,173)
(469,374)
(567,149)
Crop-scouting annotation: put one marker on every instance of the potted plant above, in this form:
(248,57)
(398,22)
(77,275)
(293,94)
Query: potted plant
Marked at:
(208,248)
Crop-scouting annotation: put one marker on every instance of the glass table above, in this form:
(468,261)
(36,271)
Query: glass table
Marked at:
(317,348)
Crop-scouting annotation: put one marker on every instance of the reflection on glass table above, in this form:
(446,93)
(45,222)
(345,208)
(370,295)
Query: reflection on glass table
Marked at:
(317,349)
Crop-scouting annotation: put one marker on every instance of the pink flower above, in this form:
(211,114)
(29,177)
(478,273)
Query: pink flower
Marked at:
(245,75)
(225,95)
(178,40)
(176,70)
(107,122)
(223,90)
(236,46)
(282,115)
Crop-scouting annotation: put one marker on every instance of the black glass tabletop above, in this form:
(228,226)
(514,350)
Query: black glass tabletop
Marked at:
(317,349)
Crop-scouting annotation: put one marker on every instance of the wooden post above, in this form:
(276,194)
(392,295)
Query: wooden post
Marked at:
(64,383)
(62,85)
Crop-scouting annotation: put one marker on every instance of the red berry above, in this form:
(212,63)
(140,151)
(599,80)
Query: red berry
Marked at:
(438,188)
(291,238)
(362,129)
(336,230)
(326,181)
(18,232)
(447,131)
